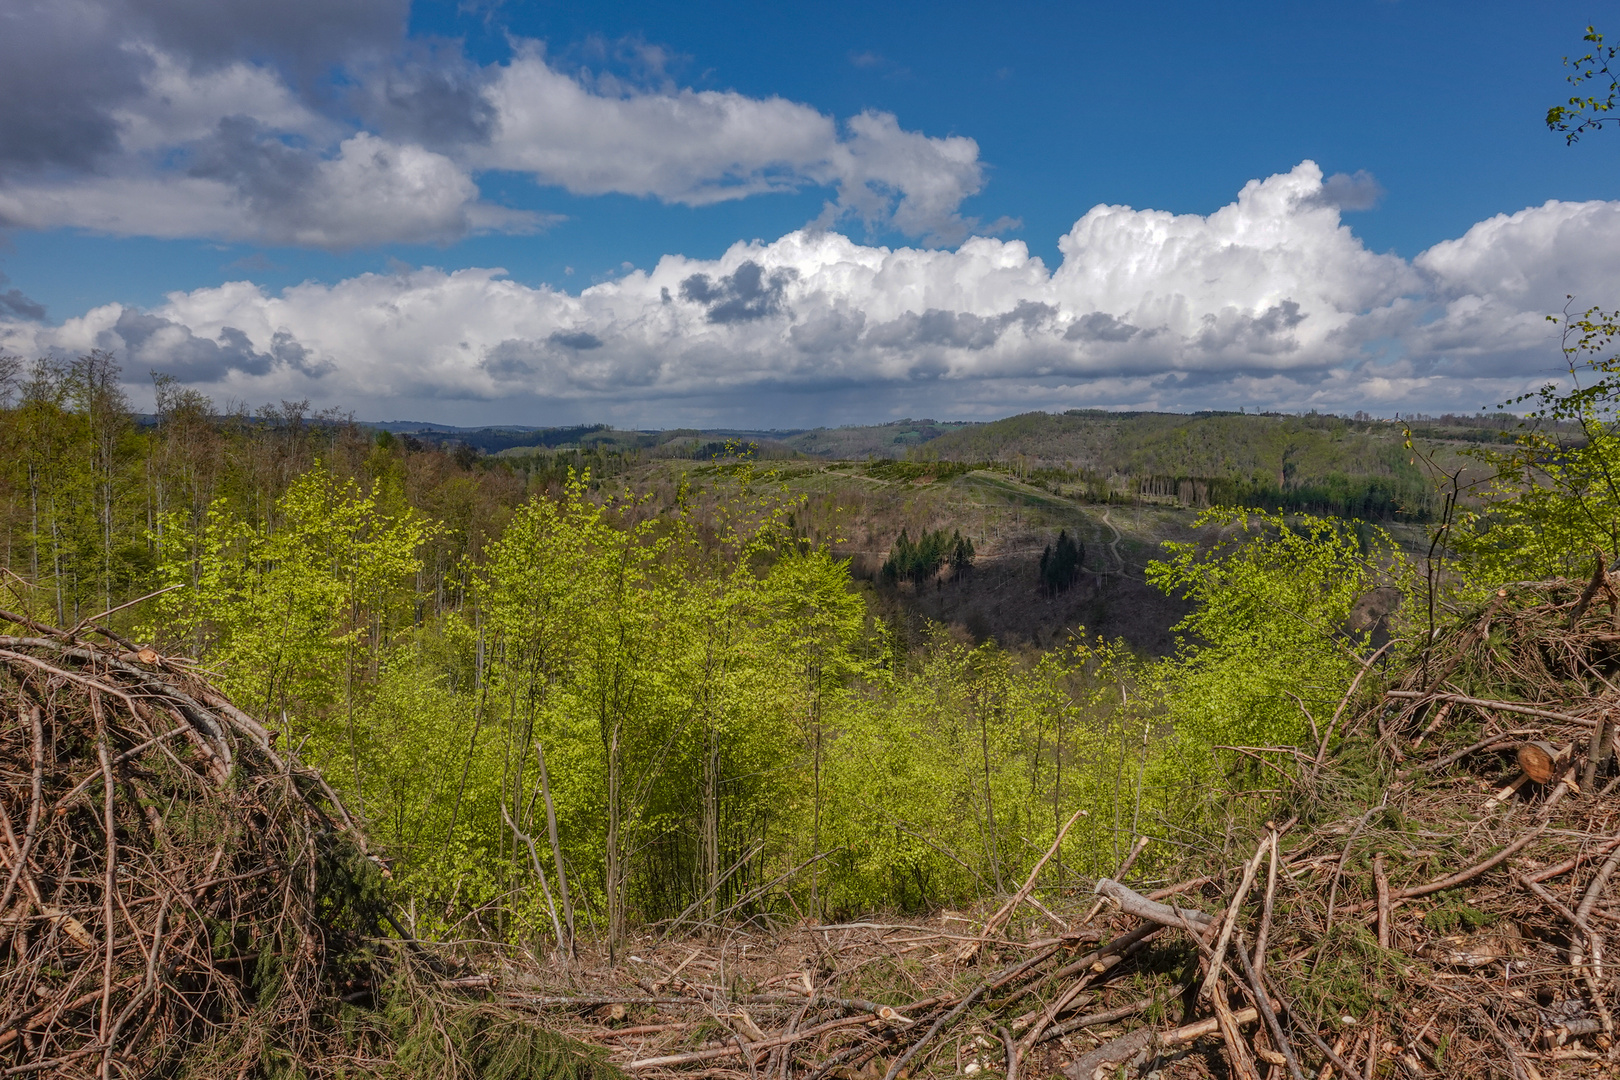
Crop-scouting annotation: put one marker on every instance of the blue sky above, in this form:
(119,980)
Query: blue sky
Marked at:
(1429,113)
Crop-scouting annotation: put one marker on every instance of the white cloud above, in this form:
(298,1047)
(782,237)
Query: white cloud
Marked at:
(699,147)
(229,153)
(416,127)
(370,191)
(1269,301)
(178,105)
(374,192)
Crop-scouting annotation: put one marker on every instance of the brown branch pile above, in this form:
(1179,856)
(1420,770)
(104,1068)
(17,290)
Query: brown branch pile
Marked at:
(172,889)
(1439,903)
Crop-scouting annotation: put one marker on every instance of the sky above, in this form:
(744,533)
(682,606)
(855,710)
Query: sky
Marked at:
(792,215)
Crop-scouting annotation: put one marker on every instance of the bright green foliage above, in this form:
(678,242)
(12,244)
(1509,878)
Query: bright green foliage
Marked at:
(646,713)
(676,677)
(1269,635)
(293,614)
(413,730)
(816,634)
(68,474)
(949,783)
(1555,495)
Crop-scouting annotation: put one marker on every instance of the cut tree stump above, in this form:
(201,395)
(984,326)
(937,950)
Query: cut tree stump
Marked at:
(1541,761)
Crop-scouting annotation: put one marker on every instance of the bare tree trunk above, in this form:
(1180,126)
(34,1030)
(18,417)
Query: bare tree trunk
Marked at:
(989,798)
(614,858)
(556,849)
(710,839)
(815,829)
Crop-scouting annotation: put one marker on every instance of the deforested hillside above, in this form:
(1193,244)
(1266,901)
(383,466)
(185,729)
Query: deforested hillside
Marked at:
(1355,467)
(1201,444)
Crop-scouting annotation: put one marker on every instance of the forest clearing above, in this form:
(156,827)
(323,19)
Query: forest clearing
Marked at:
(328,753)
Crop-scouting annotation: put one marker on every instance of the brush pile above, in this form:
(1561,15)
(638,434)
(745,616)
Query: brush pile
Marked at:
(171,886)
(1433,898)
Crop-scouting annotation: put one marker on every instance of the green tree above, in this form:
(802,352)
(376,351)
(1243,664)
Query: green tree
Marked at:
(1553,497)
(280,609)
(1060,565)
(1269,641)
(817,629)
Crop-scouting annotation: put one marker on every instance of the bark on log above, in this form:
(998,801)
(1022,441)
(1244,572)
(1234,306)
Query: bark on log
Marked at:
(1134,903)
(1100,1063)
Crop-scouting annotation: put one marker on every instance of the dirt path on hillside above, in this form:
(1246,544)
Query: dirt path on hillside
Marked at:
(1113,545)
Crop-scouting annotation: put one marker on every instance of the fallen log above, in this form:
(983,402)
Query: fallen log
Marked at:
(1134,903)
(1099,1064)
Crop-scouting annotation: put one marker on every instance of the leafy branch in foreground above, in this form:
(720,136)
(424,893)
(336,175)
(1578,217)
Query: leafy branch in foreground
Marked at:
(1555,493)
(1589,112)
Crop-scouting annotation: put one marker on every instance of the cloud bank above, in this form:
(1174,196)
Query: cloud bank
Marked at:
(1269,301)
(324,128)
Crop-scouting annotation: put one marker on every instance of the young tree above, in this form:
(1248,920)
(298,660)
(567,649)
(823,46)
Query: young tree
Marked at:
(1554,496)
(1591,111)
(1272,601)
(817,629)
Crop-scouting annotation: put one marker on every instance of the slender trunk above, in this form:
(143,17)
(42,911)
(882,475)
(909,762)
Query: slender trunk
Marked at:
(354,753)
(614,865)
(556,849)
(472,746)
(709,838)
(711,818)
(1057,791)
(106,525)
(56,566)
(815,827)
(33,513)
(1119,775)
(989,798)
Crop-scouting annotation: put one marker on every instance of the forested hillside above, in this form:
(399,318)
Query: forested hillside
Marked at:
(687,678)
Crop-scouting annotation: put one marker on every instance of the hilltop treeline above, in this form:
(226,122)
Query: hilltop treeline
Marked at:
(1345,466)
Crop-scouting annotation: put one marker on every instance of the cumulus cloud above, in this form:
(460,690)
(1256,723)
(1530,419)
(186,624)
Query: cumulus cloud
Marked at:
(280,124)
(1270,300)
(90,70)
(246,184)
(231,152)
(147,341)
(699,147)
